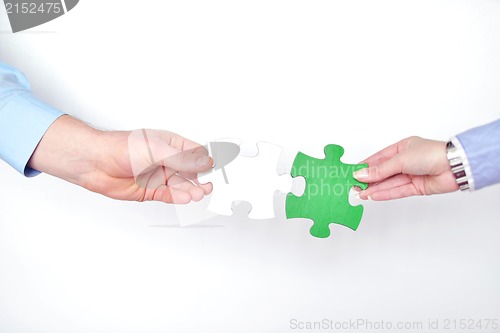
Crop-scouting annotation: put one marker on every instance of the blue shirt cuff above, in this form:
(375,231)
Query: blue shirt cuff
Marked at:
(24,121)
(482,147)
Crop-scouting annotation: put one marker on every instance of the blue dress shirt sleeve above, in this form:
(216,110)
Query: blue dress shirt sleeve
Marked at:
(24,119)
(482,147)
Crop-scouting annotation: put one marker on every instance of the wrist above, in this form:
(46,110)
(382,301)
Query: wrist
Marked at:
(70,150)
(459,164)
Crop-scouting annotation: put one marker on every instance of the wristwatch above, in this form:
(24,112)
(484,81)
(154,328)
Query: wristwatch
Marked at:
(459,165)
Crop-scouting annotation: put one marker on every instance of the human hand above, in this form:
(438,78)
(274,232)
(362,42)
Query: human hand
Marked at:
(142,165)
(413,166)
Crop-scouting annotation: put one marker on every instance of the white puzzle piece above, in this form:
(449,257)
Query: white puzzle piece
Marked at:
(253,179)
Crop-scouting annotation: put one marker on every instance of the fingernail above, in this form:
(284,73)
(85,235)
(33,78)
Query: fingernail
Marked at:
(370,197)
(203,161)
(361,174)
(357,196)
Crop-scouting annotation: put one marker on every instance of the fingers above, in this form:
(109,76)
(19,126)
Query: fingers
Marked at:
(177,153)
(163,184)
(149,149)
(383,155)
(176,196)
(392,182)
(399,192)
(177,190)
(389,152)
(165,166)
(187,161)
(171,195)
(396,187)
(178,142)
(383,164)
(178,183)
(207,188)
(384,170)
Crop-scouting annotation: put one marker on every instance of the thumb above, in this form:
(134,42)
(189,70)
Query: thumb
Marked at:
(149,149)
(188,161)
(384,170)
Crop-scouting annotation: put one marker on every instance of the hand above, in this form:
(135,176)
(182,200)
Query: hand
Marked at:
(141,165)
(413,166)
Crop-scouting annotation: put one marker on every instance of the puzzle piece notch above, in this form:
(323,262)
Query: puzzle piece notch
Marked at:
(326,196)
(250,178)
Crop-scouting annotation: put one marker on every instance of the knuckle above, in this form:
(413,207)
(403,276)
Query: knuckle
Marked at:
(375,172)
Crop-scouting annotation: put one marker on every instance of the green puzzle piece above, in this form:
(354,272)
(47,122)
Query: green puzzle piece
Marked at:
(326,196)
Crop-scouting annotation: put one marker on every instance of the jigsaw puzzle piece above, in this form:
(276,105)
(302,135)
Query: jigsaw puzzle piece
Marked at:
(265,165)
(326,196)
(252,179)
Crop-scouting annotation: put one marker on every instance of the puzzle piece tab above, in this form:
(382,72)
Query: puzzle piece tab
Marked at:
(326,196)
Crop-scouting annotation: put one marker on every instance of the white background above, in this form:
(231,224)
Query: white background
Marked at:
(363,74)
